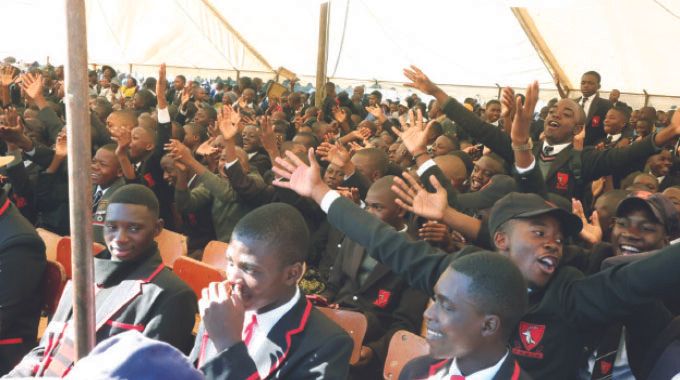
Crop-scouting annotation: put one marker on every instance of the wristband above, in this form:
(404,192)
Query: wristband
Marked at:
(419,154)
(529,145)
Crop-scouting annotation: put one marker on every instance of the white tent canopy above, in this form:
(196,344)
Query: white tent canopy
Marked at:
(472,47)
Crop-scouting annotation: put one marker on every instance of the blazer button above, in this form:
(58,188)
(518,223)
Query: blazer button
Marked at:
(339,245)
(355,298)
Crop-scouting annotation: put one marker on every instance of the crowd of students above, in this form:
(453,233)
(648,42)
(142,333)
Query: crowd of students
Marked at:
(541,238)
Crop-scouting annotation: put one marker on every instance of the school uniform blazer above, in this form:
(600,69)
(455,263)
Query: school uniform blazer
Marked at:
(562,317)
(261,161)
(560,176)
(144,296)
(197,225)
(99,216)
(303,344)
(425,366)
(22,263)
(595,119)
(386,300)
(671,179)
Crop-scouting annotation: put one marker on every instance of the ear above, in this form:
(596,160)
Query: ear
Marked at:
(158,227)
(501,241)
(294,273)
(150,146)
(491,325)
(401,212)
(577,129)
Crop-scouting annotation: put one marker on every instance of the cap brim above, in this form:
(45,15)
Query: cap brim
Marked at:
(5,160)
(571,224)
(659,218)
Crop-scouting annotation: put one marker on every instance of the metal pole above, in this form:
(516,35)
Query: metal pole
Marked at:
(321,55)
(80,186)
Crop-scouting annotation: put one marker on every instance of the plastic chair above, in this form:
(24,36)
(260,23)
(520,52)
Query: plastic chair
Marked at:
(51,240)
(53,282)
(353,322)
(171,246)
(215,254)
(196,274)
(404,346)
(63,255)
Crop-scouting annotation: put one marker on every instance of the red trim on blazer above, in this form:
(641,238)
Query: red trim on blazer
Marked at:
(4,206)
(125,326)
(8,341)
(437,366)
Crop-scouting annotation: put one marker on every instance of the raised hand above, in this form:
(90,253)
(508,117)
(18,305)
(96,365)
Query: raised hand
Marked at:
(32,84)
(336,154)
(7,76)
(376,111)
(524,114)
(436,233)
(225,123)
(161,85)
(507,102)
(179,151)
(414,198)
(340,115)
(60,147)
(351,193)
(299,177)
(186,95)
(207,148)
(592,230)
(415,136)
(270,141)
(420,81)
(123,137)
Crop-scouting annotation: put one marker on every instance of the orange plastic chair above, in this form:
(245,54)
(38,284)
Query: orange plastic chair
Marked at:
(196,274)
(53,282)
(51,240)
(404,346)
(63,255)
(171,246)
(215,254)
(353,322)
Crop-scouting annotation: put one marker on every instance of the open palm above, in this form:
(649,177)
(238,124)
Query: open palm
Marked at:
(416,199)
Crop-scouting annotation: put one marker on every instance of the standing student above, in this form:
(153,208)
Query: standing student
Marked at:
(259,325)
(594,107)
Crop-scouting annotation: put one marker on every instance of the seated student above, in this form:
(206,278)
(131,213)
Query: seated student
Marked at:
(485,168)
(194,136)
(106,179)
(614,124)
(530,231)
(257,156)
(22,263)
(358,282)
(478,301)
(196,225)
(134,289)
(660,166)
(259,325)
(643,128)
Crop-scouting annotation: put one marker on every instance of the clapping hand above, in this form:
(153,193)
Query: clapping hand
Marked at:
(414,198)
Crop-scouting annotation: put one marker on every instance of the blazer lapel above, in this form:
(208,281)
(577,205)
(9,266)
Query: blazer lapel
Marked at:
(377,273)
(353,262)
(509,369)
(282,340)
(594,102)
(561,158)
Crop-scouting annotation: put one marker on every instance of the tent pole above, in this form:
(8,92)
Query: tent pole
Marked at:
(321,55)
(646,97)
(541,47)
(80,186)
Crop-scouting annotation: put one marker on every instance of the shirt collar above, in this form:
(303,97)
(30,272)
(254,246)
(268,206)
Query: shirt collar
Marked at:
(615,137)
(485,374)
(191,180)
(557,148)
(99,188)
(267,320)
(251,155)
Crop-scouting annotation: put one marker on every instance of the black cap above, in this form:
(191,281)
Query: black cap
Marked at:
(660,206)
(523,205)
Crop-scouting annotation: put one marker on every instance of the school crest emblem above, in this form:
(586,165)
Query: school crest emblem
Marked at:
(530,334)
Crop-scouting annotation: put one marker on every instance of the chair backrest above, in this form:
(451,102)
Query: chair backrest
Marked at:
(51,240)
(63,255)
(353,322)
(171,245)
(54,280)
(215,254)
(196,274)
(404,346)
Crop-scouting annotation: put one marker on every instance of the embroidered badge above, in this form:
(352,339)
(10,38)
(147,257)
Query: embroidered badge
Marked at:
(383,298)
(530,336)
(19,201)
(149,180)
(605,367)
(562,180)
(595,122)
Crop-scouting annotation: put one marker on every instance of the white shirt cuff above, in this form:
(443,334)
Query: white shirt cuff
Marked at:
(163,115)
(230,164)
(31,152)
(426,165)
(526,170)
(328,200)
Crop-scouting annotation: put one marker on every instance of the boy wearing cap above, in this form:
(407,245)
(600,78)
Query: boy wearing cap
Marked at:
(134,290)
(566,309)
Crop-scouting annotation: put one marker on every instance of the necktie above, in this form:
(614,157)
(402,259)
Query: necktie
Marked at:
(248,332)
(95,201)
(584,100)
(547,150)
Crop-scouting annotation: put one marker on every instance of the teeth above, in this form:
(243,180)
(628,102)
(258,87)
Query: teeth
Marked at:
(629,248)
(553,124)
(433,334)
(548,261)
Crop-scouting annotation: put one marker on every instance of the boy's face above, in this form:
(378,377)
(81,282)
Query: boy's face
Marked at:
(484,169)
(380,203)
(265,280)
(201,117)
(169,171)
(251,138)
(650,184)
(643,127)
(105,168)
(129,230)
(660,164)
(492,112)
(140,143)
(637,230)
(563,122)
(535,246)
(442,145)
(454,323)
(333,176)
(673,193)
(178,83)
(138,102)
(589,85)
(614,122)
(190,139)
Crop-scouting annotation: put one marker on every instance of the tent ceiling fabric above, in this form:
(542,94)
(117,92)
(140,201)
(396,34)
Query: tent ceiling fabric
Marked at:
(477,44)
